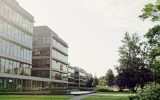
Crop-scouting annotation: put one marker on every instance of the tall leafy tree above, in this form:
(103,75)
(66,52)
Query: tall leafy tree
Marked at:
(153,37)
(133,69)
(152,11)
(110,78)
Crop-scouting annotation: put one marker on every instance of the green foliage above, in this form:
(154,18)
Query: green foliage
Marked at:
(153,36)
(109,96)
(89,82)
(151,11)
(35,97)
(85,89)
(151,93)
(110,78)
(95,81)
(133,69)
(8,90)
(102,81)
(102,90)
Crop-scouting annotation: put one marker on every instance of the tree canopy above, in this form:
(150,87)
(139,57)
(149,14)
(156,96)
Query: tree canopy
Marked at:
(151,11)
(110,78)
(133,69)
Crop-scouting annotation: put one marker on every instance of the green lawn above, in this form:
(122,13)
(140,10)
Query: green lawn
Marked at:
(109,96)
(33,97)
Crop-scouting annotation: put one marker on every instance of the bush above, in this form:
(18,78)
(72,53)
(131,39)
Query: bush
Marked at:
(134,98)
(121,90)
(150,93)
(85,89)
(8,90)
(102,90)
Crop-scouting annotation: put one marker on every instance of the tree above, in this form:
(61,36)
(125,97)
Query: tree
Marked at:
(95,81)
(153,35)
(133,69)
(151,11)
(89,82)
(102,81)
(153,38)
(110,78)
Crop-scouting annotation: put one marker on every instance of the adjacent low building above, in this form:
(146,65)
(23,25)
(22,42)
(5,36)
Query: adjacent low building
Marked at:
(71,76)
(50,55)
(80,77)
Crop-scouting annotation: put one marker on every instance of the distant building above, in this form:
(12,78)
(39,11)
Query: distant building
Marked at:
(80,77)
(71,76)
(50,55)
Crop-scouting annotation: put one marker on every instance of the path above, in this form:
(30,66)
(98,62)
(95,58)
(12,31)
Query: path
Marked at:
(82,96)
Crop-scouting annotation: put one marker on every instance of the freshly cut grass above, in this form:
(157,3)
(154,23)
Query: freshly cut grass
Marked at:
(35,97)
(109,96)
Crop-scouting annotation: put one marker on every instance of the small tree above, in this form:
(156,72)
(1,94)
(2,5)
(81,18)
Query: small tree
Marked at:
(95,81)
(102,81)
(110,78)
(89,82)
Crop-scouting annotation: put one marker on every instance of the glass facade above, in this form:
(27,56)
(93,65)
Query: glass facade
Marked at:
(41,51)
(59,56)
(15,17)
(40,73)
(71,74)
(71,70)
(41,40)
(59,66)
(15,51)
(16,30)
(41,63)
(59,76)
(59,46)
(10,32)
(82,75)
(48,47)
(13,67)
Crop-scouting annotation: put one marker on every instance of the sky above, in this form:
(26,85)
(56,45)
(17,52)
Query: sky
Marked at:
(93,29)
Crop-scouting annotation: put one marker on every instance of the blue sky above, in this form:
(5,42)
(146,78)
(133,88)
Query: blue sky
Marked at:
(92,28)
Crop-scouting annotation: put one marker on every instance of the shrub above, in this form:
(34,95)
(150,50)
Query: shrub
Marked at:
(150,93)
(8,90)
(134,98)
(85,89)
(102,90)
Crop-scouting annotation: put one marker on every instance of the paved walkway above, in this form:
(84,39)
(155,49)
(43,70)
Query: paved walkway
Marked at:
(82,96)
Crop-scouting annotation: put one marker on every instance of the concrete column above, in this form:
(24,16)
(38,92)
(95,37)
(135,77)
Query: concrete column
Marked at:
(31,84)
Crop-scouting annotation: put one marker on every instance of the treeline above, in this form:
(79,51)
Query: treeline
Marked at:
(139,62)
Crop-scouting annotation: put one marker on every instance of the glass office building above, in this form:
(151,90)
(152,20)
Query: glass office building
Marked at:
(43,65)
(71,76)
(50,55)
(16,30)
(80,76)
